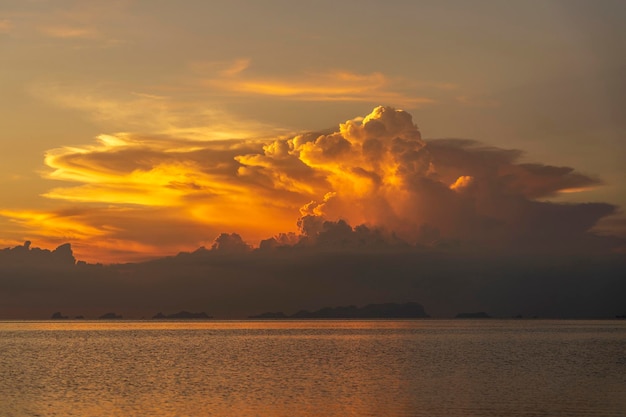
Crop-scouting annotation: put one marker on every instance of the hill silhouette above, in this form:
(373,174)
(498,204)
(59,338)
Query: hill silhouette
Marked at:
(181,315)
(370,311)
(477,315)
(110,316)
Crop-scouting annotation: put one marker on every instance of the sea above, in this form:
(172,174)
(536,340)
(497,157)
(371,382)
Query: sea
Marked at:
(468,368)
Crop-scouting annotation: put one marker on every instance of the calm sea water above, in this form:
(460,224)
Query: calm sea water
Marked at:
(314,368)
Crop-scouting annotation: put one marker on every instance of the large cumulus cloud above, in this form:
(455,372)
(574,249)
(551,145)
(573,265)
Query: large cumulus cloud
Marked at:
(375,171)
(378,171)
(368,212)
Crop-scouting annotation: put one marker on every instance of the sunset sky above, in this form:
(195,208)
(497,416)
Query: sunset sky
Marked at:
(134,129)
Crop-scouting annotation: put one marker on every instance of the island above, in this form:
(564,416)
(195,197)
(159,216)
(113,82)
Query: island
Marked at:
(478,315)
(110,316)
(409,310)
(270,315)
(181,315)
(58,316)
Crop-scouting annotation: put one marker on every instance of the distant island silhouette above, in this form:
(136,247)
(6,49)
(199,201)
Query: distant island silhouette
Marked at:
(270,315)
(58,316)
(370,311)
(182,315)
(477,315)
(110,316)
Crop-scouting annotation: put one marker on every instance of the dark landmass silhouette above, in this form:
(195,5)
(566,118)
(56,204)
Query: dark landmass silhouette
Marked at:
(343,266)
(622,316)
(270,315)
(370,311)
(58,316)
(477,315)
(182,315)
(110,316)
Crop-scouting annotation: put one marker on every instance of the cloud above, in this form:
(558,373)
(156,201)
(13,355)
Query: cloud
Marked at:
(24,255)
(368,213)
(374,171)
(178,185)
(70,32)
(236,68)
(378,171)
(614,225)
(338,85)
(73,24)
(230,242)
(109,234)
(62,225)
(142,112)
(531,180)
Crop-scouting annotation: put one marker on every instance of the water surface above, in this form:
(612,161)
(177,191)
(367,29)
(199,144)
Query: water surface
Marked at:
(313,368)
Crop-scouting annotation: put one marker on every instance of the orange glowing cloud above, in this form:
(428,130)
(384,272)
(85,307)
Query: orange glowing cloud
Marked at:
(156,195)
(461,183)
(324,86)
(56,225)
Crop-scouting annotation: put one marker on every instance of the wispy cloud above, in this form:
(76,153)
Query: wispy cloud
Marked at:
(146,112)
(336,85)
(70,32)
(90,23)
(59,225)
(236,67)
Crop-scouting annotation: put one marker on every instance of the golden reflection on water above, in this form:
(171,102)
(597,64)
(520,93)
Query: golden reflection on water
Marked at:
(77,325)
(312,368)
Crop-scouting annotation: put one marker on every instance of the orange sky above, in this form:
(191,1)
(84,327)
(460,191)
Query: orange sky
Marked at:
(136,129)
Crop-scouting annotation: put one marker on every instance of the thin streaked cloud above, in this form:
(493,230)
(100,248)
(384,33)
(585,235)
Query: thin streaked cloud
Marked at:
(70,32)
(332,85)
(158,114)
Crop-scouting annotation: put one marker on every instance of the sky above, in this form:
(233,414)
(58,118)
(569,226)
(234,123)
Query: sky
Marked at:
(243,157)
(140,129)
